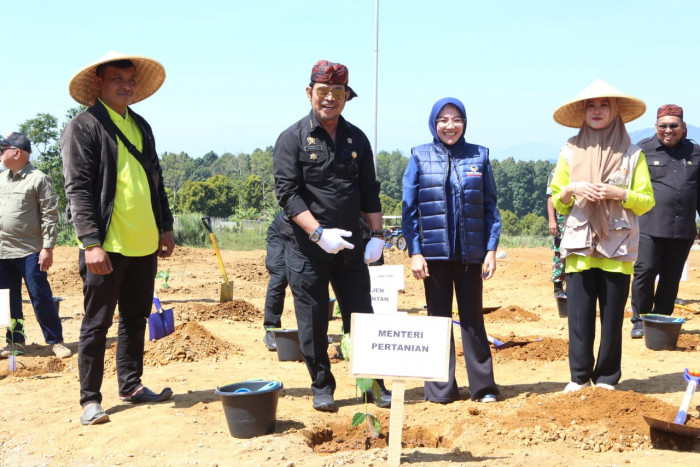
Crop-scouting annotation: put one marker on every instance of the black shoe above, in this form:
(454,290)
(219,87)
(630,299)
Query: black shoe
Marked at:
(269,341)
(146,395)
(383,402)
(637,330)
(324,403)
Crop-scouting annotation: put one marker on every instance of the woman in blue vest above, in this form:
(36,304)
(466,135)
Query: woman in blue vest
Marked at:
(601,184)
(452,226)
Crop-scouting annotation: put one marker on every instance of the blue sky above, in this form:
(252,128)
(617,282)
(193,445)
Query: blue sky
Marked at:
(236,71)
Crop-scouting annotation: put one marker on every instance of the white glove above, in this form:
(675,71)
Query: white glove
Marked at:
(373,250)
(332,240)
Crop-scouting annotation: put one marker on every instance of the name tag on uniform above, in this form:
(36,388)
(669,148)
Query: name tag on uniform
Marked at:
(315,147)
(656,162)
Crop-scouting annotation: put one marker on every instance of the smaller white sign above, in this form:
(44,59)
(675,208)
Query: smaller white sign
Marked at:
(384,300)
(5,308)
(387,276)
(400,346)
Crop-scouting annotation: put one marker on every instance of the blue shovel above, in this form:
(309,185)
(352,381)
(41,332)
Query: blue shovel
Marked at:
(161,323)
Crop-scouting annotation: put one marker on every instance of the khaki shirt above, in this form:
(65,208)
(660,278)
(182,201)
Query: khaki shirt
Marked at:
(28,213)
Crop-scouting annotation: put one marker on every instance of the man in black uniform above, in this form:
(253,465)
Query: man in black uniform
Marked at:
(667,231)
(324,179)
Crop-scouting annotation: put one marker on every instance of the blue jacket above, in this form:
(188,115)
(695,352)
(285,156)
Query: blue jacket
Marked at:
(449,198)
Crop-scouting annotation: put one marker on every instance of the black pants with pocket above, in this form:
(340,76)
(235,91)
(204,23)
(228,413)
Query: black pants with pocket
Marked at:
(130,285)
(309,278)
(664,257)
(275,265)
(585,290)
(448,278)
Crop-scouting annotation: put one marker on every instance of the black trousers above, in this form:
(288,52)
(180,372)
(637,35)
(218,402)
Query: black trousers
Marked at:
(274,300)
(309,278)
(130,285)
(609,290)
(664,257)
(446,278)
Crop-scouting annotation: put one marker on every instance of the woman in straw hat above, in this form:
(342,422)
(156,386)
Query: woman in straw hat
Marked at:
(602,185)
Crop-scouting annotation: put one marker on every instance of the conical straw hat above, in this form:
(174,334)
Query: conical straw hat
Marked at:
(150,75)
(571,113)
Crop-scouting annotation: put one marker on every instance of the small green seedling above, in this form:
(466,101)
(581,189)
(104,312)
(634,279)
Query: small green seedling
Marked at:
(16,348)
(364,385)
(165,276)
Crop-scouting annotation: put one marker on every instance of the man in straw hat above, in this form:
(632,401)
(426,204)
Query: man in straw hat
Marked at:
(118,205)
(602,185)
(667,231)
(324,180)
(28,216)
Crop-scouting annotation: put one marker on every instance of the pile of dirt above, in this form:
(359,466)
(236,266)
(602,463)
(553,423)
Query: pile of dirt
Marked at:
(32,366)
(190,342)
(511,313)
(548,349)
(688,342)
(236,310)
(592,419)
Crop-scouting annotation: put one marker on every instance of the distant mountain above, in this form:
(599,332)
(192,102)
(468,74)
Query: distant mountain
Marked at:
(530,151)
(693,133)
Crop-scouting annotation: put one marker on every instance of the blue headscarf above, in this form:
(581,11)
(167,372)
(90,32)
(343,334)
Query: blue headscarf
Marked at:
(432,124)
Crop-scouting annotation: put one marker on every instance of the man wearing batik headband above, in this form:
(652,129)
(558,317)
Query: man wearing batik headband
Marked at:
(117,203)
(667,231)
(325,180)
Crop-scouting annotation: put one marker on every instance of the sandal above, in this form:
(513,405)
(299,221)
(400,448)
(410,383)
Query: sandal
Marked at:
(94,415)
(146,395)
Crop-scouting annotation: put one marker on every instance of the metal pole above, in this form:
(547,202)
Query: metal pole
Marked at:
(376,76)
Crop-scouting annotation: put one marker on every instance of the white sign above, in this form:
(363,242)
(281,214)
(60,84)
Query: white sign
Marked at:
(384,300)
(400,346)
(387,276)
(5,308)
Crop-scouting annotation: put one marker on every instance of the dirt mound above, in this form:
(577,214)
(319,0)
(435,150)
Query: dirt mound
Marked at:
(688,342)
(591,419)
(190,342)
(511,313)
(32,366)
(236,310)
(548,349)
(336,437)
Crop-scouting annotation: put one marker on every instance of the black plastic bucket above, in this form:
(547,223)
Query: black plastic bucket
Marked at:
(287,341)
(661,332)
(561,307)
(250,407)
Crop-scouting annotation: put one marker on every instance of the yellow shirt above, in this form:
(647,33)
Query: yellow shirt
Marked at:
(132,228)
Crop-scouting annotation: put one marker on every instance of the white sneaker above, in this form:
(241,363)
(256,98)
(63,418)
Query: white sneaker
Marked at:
(609,387)
(61,351)
(573,387)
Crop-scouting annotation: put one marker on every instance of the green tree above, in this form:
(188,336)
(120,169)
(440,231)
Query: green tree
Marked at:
(251,194)
(177,169)
(510,225)
(226,198)
(390,169)
(195,197)
(390,207)
(533,225)
(42,131)
(261,165)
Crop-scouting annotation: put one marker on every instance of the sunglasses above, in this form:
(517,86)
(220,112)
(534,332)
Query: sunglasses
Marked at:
(350,163)
(672,126)
(337,93)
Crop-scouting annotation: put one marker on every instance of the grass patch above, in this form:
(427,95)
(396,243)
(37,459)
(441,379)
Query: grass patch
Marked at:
(524,241)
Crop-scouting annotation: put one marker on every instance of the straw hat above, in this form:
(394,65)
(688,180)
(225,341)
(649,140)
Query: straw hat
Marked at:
(149,75)
(571,113)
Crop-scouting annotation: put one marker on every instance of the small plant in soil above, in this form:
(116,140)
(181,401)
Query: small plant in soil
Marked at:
(364,385)
(165,276)
(14,352)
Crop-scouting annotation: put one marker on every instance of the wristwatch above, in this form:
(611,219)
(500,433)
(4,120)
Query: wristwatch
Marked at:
(315,236)
(377,233)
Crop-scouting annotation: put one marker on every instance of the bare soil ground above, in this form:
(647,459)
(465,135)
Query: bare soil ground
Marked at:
(533,423)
